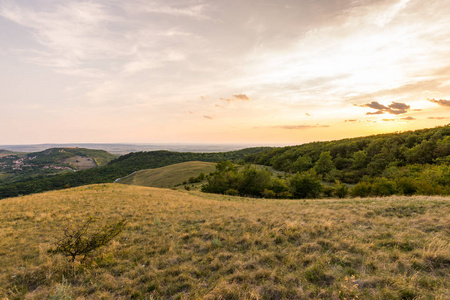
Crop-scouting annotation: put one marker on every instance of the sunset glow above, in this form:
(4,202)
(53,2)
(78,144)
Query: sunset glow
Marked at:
(273,72)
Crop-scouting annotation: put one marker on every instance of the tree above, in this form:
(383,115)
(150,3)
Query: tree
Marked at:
(82,242)
(305,185)
(325,163)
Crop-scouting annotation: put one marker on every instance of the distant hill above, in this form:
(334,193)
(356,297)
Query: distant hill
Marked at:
(17,166)
(72,156)
(4,153)
(169,176)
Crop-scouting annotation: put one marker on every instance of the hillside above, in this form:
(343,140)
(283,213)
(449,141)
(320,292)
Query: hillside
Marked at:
(72,157)
(413,161)
(169,176)
(4,153)
(118,168)
(349,160)
(19,167)
(180,245)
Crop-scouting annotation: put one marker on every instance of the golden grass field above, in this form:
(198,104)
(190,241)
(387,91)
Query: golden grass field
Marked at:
(169,176)
(189,245)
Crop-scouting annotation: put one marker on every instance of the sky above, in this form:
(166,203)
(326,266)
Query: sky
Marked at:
(222,71)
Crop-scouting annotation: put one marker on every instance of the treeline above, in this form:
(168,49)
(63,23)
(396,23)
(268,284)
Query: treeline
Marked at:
(249,180)
(414,156)
(254,181)
(118,168)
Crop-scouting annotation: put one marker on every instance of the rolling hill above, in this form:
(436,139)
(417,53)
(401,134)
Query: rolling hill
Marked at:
(169,176)
(189,245)
(4,153)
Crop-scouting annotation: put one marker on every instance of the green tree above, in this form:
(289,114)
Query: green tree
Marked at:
(303,163)
(253,182)
(325,163)
(305,185)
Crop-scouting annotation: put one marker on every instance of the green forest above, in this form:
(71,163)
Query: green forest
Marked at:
(407,163)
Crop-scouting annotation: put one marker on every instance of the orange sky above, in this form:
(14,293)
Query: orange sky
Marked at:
(196,71)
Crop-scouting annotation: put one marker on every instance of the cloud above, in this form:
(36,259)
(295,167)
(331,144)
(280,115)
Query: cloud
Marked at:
(408,118)
(395,108)
(196,11)
(380,112)
(374,105)
(300,126)
(351,120)
(236,98)
(388,120)
(438,118)
(441,102)
(208,117)
(308,114)
(242,97)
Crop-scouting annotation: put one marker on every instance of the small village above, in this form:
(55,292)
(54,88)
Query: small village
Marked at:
(19,164)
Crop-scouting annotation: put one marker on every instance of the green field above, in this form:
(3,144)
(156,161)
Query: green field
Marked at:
(190,245)
(169,176)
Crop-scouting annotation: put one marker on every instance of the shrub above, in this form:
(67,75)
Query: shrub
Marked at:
(328,191)
(383,187)
(305,185)
(340,189)
(232,192)
(82,242)
(269,194)
(406,186)
(362,189)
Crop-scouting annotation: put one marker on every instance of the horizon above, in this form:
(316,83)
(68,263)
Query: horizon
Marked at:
(223,72)
(230,144)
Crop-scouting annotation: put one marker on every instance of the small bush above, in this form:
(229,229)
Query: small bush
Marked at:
(362,189)
(269,194)
(328,191)
(406,186)
(383,187)
(81,242)
(232,192)
(340,189)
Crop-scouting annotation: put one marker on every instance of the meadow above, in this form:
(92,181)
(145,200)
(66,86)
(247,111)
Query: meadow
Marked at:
(191,245)
(169,176)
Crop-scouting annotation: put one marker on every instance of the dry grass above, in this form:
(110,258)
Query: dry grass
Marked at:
(180,245)
(169,176)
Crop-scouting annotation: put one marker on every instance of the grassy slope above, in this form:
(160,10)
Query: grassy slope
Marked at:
(169,176)
(4,153)
(193,245)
